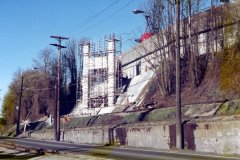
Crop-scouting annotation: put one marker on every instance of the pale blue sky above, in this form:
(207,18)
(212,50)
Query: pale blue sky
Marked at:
(27,24)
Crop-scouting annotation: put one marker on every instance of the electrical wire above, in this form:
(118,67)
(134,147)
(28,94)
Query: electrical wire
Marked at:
(103,20)
(87,20)
(92,17)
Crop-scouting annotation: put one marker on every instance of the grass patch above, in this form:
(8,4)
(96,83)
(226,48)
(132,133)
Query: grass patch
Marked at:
(161,114)
(229,108)
(132,117)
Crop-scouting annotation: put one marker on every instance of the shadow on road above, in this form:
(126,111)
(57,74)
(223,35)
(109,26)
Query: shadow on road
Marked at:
(28,156)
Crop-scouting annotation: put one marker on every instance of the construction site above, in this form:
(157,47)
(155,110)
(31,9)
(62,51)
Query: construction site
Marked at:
(111,80)
(101,76)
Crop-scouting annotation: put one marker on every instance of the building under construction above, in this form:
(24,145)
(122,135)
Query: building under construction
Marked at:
(101,76)
(99,90)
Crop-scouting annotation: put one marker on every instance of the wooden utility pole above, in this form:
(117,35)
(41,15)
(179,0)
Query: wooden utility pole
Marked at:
(179,135)
(57,109)
(19,108)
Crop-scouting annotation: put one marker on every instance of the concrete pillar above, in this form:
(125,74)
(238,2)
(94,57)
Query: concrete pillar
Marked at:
(111,72)
(85,79)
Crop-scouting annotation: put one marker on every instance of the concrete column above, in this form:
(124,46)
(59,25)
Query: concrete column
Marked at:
(111,72)
(85,79)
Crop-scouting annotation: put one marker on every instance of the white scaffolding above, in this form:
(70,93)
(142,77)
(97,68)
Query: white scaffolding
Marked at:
(101,80)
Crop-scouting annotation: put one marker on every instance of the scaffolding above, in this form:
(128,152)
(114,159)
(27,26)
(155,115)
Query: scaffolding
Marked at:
(79,66)
(101,76)
(97,75)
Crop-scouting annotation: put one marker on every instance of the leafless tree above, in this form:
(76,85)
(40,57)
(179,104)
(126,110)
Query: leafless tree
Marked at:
(200,30)
(69,74)
(159,48)
(46,66)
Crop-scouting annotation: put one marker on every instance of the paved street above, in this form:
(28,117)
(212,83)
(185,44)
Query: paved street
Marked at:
(104,152)
(6,153)
(68,157)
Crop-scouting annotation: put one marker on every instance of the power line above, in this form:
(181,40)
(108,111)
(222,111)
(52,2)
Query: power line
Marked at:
(83,23)
(103,20)
(94,16)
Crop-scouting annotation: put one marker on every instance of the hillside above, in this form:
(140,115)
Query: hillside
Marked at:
(210,89)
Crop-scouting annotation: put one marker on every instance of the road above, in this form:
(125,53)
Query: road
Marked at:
(108,152)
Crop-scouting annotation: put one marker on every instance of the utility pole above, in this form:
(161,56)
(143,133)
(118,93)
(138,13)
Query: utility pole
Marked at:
(179,136)
(57,108)
(179,132)
(19,108)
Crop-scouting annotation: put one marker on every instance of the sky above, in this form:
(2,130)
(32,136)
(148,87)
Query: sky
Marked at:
(26,26)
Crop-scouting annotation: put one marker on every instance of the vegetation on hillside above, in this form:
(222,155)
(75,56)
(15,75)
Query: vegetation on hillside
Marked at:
(8,108)
(39,86)
(230,56)
(229,71)
(206,77)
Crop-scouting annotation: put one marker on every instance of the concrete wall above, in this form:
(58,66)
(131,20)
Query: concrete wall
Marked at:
(147,136)
(98,62)
(87,135)
(43,135)
(145,52)
(111,73)
(85,89)
(222,137)
(218,137)
(205,40)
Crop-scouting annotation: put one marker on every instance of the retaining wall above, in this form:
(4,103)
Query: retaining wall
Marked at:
(222,137)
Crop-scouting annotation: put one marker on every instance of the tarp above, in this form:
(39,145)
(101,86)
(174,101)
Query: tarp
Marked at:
(136,86)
